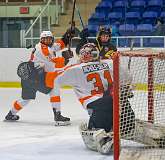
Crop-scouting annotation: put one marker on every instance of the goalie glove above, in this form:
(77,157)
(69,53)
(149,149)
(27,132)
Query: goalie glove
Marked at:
(67,55)
(24,70)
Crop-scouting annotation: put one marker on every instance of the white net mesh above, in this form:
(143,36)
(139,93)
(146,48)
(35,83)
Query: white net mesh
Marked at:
(142,110)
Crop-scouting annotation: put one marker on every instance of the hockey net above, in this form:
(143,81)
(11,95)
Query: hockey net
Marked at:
(139,107)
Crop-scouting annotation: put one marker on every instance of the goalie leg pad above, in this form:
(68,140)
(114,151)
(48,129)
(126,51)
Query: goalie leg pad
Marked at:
(149,134)
(87,136)
(97,140)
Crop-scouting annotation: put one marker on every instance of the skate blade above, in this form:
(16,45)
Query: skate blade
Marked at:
(5,120)
(60,123)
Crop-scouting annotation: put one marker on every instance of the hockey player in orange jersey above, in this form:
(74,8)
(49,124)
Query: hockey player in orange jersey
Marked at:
(38,74)
(91,80)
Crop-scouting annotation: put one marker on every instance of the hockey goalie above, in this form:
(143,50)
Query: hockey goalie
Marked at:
(93,84)
(100,138)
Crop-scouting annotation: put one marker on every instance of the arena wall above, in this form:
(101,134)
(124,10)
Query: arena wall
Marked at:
(10,59)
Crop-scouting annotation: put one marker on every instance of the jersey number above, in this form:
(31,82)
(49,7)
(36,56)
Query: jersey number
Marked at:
(98,84)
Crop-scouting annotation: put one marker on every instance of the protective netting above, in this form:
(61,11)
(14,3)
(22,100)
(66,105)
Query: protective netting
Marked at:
(142,105)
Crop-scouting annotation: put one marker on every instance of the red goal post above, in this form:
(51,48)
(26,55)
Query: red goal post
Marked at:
(147,83)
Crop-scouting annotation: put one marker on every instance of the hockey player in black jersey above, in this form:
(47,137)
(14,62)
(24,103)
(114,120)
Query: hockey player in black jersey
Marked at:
(102,41)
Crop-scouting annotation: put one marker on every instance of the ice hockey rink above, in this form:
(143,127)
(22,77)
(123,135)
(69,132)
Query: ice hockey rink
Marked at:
(34,136)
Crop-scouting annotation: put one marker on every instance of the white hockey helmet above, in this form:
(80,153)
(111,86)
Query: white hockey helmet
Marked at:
(47,38)
(88,53)
(46,34)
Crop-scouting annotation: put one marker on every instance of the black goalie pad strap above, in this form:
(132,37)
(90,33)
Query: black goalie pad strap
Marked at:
(24,70)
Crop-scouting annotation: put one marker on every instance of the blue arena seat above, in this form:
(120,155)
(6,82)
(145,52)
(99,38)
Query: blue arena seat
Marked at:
(132,17)
(97,18)
(127,29)
(144,30)
(137,6)
(120,6)
(115,16)
(156,42)
(99,15)
(105,6)
(154,5)
(93,29)
(162,16)
(139,15)
(120,3)
(149,17)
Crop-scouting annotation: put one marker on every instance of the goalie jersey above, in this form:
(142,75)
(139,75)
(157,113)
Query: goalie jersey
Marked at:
(89,80)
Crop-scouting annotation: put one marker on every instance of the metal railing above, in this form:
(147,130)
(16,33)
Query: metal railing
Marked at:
(140,41)
(39,16)
(122,41)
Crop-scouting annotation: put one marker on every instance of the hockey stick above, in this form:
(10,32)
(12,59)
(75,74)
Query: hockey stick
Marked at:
(81,21)
(71,27)
(131,49)
(80,18)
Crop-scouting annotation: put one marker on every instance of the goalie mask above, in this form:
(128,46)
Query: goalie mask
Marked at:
(89,53)
(47,38)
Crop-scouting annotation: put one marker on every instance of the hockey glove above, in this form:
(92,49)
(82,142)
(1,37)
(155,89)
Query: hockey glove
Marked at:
(69,34)
(67,55)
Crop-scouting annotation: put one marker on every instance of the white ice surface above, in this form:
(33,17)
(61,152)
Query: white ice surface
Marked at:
(34,136)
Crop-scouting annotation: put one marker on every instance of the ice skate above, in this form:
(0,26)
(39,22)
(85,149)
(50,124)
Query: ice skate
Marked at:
(11,117)
(60,120)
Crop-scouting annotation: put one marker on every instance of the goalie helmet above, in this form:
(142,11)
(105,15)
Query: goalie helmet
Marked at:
(88,53)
